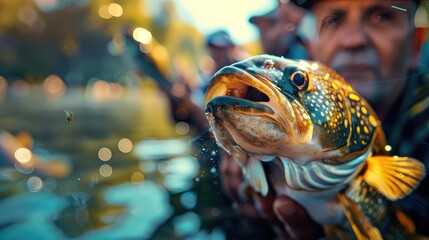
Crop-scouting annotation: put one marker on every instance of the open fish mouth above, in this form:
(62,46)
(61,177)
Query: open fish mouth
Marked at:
(246,110)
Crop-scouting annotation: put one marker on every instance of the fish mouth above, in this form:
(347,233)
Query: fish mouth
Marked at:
(246,111)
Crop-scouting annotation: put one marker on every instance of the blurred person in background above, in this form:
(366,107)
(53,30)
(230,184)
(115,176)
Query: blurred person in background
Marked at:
(221,49)
(373,45)
(182,107)
(285,30)
(222,52)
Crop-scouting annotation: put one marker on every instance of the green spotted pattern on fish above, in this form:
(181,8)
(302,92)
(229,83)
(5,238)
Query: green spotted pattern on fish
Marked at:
(297,127)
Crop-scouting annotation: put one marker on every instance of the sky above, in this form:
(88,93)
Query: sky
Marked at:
(232,15)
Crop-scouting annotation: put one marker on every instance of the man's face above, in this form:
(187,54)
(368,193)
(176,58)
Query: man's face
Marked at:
(368,42)
(274,34)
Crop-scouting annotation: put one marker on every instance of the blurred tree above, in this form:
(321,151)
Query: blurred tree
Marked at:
(84,38)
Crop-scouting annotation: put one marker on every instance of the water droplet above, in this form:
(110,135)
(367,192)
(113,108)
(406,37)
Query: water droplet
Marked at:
(268,64)
(388,148)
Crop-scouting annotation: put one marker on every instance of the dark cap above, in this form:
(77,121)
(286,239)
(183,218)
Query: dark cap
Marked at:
(219,38)
(306,4)
(271,15)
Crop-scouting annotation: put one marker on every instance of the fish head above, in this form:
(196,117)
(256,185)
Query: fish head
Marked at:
(301,110)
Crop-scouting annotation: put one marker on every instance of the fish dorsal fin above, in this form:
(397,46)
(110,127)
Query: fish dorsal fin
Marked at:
(394,177)
(254,172)
(361,226)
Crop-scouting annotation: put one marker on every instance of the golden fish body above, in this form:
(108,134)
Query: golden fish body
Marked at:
(320,141)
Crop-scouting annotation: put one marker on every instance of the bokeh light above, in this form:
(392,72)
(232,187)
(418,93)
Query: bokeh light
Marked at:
(106,170)
(26,168)
(137,177)
(182,128)
(101,90)
(54,87)
(115,9)
(142,35)
(388,148)
(188,199)
(34,184)
(186,224)
(117,91)
(105,154)
(23,155)
(125,145)
(103,12)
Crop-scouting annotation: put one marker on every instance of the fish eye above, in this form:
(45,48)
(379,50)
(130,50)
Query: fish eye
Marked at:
(300,80)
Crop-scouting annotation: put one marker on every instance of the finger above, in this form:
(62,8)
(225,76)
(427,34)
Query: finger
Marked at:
(248,210)
(295,219)
(231,177)
(264,205)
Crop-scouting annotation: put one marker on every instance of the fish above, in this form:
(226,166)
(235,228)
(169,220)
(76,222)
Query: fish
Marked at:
(297,128)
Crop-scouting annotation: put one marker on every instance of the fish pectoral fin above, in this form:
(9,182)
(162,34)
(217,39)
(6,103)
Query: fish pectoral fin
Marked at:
(394,177)
(256,176)
(361,226)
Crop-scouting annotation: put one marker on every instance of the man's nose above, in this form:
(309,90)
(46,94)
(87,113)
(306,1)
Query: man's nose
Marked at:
(354,36)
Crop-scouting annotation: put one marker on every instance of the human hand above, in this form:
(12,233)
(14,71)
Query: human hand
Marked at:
(288,219)
(235,186)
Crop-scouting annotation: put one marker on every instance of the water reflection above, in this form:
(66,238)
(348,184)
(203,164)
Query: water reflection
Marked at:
(187,224)
(103,176)
(147,206)
(31,215)
(161,149)
(179,173)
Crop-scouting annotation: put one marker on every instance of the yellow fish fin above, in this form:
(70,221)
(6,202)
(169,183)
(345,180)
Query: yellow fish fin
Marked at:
(394,177)
(336,233)
(362,227)
(405,221)
(254,171)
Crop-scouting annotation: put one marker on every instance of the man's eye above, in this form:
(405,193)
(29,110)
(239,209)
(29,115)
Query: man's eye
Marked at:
(383,17)
(332,20)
